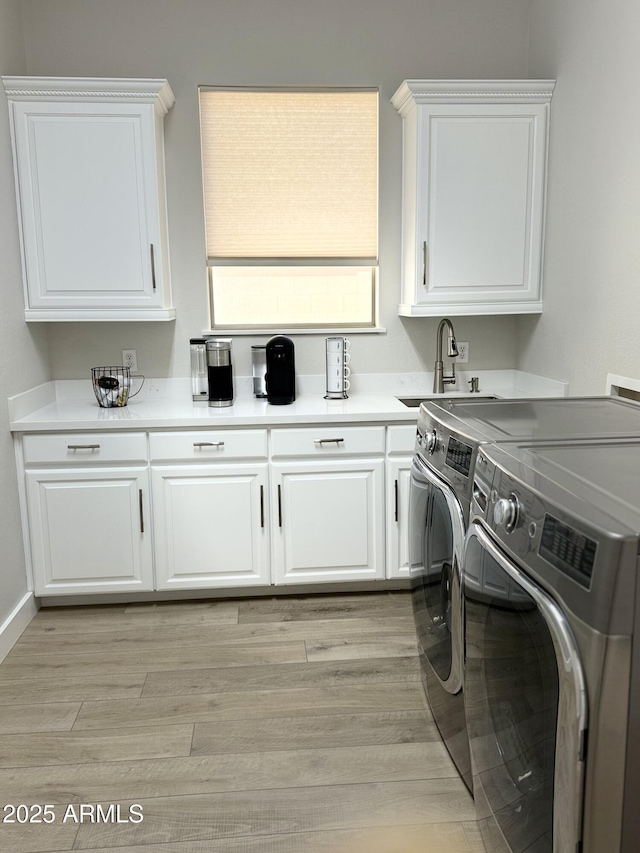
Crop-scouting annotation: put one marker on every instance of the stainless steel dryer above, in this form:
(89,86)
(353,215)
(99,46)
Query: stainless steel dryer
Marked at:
(552,633)
(450,432)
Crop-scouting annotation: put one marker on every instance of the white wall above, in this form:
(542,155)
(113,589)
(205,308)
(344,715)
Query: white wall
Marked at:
(274,42)
(23,351)
(591,322)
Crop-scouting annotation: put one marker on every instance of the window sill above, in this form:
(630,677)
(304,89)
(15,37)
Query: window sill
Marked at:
(371,330)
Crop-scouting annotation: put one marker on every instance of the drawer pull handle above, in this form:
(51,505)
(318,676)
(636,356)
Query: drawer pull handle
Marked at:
(261,506)
(141,511)
(279,506)
(218,444)
(328,440)
(83,447)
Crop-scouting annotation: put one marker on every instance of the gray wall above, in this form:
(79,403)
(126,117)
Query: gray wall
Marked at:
(274,42)
(591,322)
(23,350)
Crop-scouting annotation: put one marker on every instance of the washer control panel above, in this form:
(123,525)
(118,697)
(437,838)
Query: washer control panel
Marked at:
(557,537)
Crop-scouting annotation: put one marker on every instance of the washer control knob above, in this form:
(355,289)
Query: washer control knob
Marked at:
(431,441)
(507,512)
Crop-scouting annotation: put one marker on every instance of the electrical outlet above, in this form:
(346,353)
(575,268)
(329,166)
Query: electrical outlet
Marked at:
(130,359)
(463,352)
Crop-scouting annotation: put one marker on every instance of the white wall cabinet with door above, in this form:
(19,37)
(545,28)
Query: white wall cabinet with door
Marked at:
(89,167)
(210,508)
(89,512)
(327,498)
(474,177)
(400,443)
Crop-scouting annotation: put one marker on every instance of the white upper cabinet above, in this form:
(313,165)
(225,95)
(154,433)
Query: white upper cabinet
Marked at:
(474,175)
(89,167)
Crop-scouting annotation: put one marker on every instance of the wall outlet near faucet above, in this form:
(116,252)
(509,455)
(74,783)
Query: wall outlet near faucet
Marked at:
(463,352)
(130,359)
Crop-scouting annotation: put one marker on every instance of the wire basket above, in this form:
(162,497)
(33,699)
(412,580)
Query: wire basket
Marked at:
(112,385)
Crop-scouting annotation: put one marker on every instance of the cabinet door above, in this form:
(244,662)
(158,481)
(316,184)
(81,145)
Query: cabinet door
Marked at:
(91,209)
(210,524)
(328,521)
(90,530)
(398,480)
(480,204)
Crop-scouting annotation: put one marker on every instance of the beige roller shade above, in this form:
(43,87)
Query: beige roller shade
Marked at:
(290,174)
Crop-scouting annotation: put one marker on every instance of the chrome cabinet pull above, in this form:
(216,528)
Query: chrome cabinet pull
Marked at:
(83,447)
(395,488)
(261,506)
(141,510)
(218,444)
(153,266)
(279,506)
(328,440)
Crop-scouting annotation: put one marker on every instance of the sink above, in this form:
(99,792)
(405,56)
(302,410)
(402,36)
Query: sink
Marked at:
(414,402)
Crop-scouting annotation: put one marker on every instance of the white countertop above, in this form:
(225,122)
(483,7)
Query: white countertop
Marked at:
(166,403)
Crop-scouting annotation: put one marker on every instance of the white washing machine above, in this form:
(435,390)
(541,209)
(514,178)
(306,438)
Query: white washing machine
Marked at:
(551,605)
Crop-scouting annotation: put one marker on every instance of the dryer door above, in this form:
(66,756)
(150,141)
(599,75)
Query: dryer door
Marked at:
(525,702)
(436,536)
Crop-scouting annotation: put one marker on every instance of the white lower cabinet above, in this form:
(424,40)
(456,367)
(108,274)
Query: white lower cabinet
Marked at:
(210,524)
(398,479)
(88,508)
(89,530)
(327,504)
(225,508)
(328,521)
(210,516)
(400,442)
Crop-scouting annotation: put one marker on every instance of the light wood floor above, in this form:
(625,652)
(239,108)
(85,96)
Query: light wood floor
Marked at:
(271,725)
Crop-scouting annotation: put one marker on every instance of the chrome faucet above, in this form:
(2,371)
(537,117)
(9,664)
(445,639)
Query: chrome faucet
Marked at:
(439,378)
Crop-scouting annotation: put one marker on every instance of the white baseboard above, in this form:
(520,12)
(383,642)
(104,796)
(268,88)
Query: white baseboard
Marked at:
(16,622)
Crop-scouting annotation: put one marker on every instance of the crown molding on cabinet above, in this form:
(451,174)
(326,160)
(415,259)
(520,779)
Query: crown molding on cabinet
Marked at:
(85,89)
(471,91)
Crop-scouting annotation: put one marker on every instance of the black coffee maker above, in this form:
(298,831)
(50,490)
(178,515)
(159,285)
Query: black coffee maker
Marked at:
(281,371)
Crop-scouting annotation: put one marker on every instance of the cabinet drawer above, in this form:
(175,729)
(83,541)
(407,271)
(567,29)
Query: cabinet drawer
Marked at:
(328,441)
(401,439)
(208,445)
(80,448)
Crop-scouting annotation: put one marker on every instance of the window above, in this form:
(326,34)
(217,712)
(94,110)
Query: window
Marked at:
(291,207)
